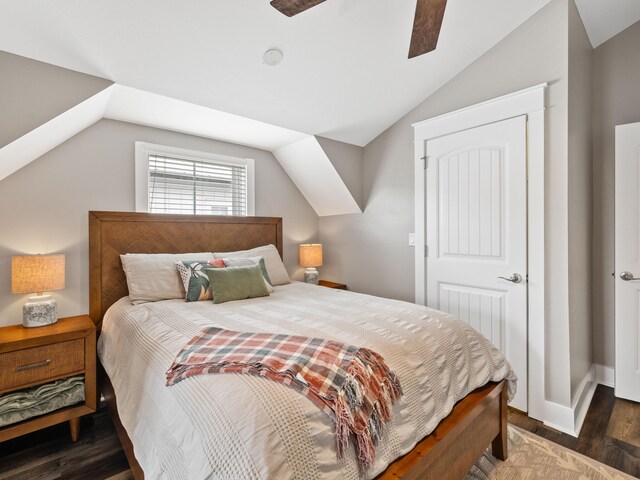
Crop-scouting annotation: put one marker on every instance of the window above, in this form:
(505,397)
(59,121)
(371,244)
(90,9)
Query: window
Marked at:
(175,180)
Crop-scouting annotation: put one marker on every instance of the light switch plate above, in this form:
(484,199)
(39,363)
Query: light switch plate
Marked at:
(412,239)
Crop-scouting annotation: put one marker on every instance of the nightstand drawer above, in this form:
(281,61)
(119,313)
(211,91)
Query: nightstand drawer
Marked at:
(38,364)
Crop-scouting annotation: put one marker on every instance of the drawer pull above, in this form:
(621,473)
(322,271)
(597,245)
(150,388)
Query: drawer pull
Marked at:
(31,366)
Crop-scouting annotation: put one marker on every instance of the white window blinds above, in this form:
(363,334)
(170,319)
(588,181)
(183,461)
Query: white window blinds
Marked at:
(192,186)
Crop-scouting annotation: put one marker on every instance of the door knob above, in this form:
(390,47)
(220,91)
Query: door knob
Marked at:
(514,277)
(628,276)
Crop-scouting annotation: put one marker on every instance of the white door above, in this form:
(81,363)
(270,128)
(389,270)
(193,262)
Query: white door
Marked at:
(476,235)
(627,262)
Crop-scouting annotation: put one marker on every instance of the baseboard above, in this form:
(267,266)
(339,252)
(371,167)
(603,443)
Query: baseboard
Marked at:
(559,417)
(583,398)
(605,375)
(570,419)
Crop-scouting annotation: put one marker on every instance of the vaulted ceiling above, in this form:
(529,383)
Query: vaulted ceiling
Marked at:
(604,19)
(345,73)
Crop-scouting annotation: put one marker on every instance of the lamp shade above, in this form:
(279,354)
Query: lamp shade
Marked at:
(311,255)
(37,273)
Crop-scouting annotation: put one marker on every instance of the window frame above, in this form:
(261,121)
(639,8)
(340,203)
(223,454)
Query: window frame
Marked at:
(144,149)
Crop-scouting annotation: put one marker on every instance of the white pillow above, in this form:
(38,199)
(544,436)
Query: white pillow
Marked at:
(152,276)
(275,268)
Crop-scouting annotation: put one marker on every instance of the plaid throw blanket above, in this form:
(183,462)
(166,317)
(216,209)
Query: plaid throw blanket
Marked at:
(352,385)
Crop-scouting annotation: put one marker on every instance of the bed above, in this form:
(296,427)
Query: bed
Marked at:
(235,426)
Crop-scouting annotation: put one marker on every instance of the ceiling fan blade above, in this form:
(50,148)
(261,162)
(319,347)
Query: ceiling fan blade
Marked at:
(294,7)
(426,26)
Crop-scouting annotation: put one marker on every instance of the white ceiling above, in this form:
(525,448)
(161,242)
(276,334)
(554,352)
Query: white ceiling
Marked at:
(138,106)
(604,19)
(345,73)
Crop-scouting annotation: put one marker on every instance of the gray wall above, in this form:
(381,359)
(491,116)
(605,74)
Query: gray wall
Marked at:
(32,93)
(616,101)
(580,194)
(43,206)
(370,252)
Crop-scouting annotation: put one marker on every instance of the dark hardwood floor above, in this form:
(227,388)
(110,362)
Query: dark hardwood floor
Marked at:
(50,454)
(611,435)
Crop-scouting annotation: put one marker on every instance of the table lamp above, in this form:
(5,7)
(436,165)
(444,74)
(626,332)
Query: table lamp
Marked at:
(38,274)
(311,257)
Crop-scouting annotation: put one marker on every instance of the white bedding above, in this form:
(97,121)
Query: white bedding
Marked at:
(242,427)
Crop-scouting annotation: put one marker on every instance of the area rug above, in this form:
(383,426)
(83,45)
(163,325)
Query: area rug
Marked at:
(530,458)
(533,458)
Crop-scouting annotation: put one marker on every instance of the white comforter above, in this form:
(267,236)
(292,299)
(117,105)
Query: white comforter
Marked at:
(243,427)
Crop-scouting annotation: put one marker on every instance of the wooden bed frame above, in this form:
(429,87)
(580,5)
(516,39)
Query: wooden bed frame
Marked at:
(447,453)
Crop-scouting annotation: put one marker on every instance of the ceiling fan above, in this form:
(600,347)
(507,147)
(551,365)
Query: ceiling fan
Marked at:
(426,23)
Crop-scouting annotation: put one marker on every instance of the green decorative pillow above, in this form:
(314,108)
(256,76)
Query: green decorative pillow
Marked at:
(241,262)
(236,283)
(195,280)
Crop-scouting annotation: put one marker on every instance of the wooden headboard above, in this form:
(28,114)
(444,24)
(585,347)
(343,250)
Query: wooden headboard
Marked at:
(114,233)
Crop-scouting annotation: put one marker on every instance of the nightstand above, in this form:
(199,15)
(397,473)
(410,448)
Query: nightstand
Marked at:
(328,284)
(30,357)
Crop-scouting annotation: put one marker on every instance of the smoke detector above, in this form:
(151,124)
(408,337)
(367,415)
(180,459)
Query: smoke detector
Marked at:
(273,57)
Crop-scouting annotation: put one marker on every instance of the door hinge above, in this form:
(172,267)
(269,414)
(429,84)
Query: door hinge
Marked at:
(426,250)
(424,162)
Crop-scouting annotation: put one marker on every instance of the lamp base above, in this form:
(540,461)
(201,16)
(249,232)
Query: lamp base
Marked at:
(311,276)
(39,311)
